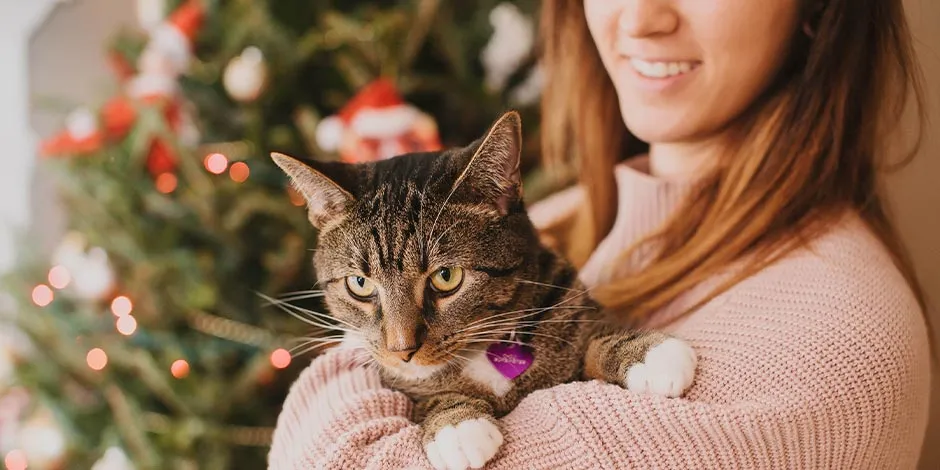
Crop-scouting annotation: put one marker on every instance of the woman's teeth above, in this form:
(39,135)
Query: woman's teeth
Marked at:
(661,69)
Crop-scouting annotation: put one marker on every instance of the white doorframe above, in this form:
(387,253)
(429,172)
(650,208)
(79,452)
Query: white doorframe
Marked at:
(18,20)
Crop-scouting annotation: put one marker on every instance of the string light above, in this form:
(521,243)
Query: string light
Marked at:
(59,277)
(15,460)
(121,306)
(179,369)
(280,358)
(126,325)
(42,295)
(96,359)
(216,163)
(166,183)
(239,172)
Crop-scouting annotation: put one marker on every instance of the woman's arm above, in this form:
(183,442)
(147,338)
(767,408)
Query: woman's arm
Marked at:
(787,377)
(339,416)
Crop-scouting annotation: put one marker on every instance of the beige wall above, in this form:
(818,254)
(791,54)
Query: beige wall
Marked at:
(915,192)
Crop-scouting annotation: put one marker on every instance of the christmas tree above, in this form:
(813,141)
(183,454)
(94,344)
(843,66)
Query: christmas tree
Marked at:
(165,330)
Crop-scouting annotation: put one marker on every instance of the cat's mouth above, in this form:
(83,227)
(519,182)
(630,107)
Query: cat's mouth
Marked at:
(426,362)
(419,367)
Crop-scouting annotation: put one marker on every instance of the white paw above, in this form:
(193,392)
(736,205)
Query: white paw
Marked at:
(668,369)
(470,444)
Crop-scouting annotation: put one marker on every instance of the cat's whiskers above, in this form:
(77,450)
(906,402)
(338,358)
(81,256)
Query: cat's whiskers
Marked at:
(316,319)
(537,310)
(489,341)
(553,286)
(322,320)
(462,360)
(453,189)
(310,345)
(306,291)
(304,339)
(509,331)
(512,320)
(438,239)
(293,298)
(355,247)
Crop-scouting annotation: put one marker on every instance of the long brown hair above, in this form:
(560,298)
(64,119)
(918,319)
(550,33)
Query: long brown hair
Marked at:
(810,148)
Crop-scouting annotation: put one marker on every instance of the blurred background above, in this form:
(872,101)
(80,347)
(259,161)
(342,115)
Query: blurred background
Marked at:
(148,244)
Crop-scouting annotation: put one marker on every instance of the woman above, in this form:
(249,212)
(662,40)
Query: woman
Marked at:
(752,226)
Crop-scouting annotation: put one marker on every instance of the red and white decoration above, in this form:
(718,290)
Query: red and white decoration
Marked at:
(246,76)
(510,45)
(377,124)
(155,82)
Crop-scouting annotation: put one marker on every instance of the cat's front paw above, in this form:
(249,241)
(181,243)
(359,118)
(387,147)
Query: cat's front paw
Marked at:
(469,444)
(667,370)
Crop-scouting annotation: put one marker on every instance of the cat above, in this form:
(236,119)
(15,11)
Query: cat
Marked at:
(430,263)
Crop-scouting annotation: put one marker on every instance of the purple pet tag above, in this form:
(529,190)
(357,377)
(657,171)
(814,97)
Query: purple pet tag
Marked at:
(509,359)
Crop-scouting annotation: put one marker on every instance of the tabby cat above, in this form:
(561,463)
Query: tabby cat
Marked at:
(431,264)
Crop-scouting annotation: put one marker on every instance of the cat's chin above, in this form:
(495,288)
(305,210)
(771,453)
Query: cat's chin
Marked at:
(411,371)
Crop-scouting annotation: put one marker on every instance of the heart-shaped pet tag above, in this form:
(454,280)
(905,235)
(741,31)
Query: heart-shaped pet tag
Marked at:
(509,359)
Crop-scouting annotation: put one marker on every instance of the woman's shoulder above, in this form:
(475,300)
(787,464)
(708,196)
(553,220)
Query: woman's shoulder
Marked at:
(837,313)
(847,271)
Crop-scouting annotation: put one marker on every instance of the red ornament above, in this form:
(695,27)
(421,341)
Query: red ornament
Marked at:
(161,158)
(152,83)
(377,124)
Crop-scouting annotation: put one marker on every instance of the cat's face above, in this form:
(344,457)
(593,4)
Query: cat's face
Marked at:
(417,252)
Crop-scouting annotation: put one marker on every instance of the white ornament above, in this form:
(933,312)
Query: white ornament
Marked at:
(92,275)
(113,459)
(170,41)
(384,123)
(529,91)
(81,123)
(245,76)
(329,133)
(42,442)
(512,41)
(150,13)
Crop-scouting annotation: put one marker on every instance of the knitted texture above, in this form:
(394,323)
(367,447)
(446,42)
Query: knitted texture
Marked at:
(819,361)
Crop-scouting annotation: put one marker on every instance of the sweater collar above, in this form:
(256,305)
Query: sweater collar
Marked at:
(644,203)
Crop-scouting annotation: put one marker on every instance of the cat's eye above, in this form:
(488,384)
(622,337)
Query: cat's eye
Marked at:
(446,280)
(360,287)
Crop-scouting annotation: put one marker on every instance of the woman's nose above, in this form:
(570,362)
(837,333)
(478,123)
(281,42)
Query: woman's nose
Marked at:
(642,18)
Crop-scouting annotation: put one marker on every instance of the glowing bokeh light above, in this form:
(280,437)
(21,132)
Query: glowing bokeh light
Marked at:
(126,325)
(239,172)
(166,183)
(42,295)
(96,359)
(179,369)
(280,358)
(121,306)
(296,198)
(59,277)
(15,460)
(216,163)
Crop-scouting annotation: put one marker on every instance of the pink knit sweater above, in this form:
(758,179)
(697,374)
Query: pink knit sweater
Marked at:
(819,361)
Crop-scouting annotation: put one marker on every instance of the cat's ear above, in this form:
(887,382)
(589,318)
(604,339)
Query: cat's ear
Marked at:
(326,200)
(493,169)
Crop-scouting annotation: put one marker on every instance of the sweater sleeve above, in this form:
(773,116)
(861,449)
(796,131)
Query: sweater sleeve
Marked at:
(339,416)
(801,381)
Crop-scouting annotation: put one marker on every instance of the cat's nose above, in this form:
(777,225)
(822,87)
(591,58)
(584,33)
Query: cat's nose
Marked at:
(405,354)
(403,343)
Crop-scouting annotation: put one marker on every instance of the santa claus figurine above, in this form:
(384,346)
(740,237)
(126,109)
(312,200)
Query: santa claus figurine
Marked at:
(154,82)
(377,124)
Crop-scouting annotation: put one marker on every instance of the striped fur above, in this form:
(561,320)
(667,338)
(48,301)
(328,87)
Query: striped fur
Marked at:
(411,215)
